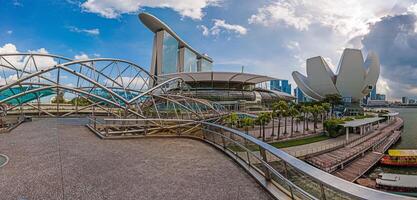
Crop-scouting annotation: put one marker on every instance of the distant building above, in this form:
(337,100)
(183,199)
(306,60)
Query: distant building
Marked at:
(404,100)
(353,81)
(300,96)
(170,53)
(373,94)
(281,85)
(411,101)
(381,97)
(378,103)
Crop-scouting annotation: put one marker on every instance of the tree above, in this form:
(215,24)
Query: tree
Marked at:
(59,98)
(293,112)
(81,101)
(304,110)
(232,119)
(326,106)
(315,111)
(333,100)
(298,119)
(281,107)
(285,114)
(246,123)
(308,111)
(273,115)
(263,119)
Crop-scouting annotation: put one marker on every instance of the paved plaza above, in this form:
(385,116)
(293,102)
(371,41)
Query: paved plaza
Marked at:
(58,159)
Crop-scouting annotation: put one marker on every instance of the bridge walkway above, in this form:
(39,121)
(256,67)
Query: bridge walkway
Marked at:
(60,159)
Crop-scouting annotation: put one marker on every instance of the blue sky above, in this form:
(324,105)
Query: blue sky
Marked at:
(272,37)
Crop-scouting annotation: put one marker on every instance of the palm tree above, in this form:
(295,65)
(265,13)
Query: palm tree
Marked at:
(232,119)
(293,112)
(282,106)
(333,100)
(263,119)
(303,110)
(273,115)
(326,107)
(247,123)
(259,122)
(285,114)
(315,111)
(308,110)
(298,119)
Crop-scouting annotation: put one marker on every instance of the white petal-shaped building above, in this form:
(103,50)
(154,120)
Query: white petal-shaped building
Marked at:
(354,78)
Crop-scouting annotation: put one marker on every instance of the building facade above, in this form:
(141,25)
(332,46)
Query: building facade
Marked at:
(355,77)
(280,85)
(172,59)
(300,97)
(404,100)
(373,94)
(170,54)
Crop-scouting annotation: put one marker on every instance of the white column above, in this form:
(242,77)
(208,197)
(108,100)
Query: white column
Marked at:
(361,127)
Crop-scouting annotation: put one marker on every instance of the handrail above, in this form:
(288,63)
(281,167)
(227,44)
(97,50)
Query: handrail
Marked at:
(327,183)
(327,179)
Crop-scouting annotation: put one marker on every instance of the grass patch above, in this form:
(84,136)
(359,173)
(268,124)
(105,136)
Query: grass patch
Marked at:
(300,141)
(283,144)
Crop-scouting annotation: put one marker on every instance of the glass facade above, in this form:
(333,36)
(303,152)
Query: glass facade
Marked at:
(169,54)
(281,85)
(373,93)
(190,61)
(205,65)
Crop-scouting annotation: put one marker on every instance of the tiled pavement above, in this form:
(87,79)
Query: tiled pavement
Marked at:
(54,160)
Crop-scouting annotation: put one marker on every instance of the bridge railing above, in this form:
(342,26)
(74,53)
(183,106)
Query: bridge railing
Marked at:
(280,173)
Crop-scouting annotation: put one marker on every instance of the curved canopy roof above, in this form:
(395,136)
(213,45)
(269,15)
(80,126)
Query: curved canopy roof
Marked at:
(219,77)
(279,93)
(155,25)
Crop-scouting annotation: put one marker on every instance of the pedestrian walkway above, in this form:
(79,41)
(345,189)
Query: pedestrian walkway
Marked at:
(361,165)
(354,159)
(331,161)
(60,159)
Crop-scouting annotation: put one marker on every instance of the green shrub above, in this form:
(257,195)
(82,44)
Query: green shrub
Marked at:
(333,126)
(348,119)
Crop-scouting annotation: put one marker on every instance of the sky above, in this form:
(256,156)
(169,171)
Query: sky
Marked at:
(269,37)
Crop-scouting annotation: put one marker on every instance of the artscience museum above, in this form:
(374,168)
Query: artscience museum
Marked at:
(354,79)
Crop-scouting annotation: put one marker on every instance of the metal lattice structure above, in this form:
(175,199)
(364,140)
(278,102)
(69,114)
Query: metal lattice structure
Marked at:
(99,86)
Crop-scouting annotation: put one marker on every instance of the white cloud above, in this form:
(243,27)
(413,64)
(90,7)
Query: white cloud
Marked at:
(326,27)
(94,31)
(293,45)
(136,83)
(17,3)
(8,48)
(82,56)
(42,62)
(382,86)
(220,26)
(345,17)
(9,32)
(114,8)
(205,30)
